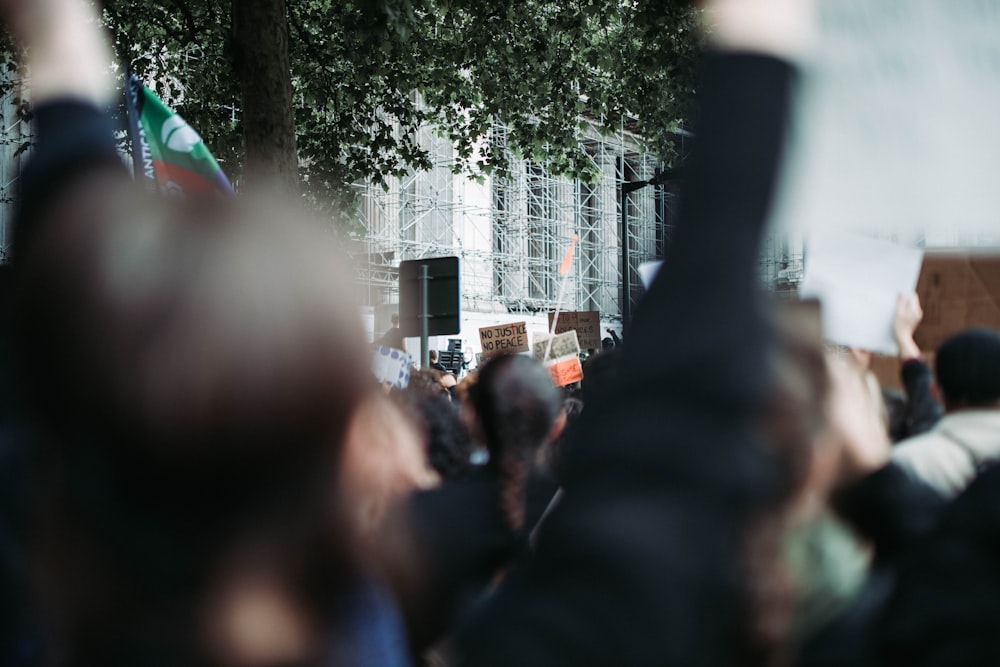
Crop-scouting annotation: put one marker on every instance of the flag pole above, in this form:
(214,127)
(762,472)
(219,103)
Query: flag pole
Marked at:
(563,280)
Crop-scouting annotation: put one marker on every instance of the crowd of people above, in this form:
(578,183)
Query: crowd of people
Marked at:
(197,466)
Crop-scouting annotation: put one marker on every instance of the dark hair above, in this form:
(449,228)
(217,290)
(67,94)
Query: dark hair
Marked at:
(968,368)
(516,406)
(792,417)
(600,375)
(449,445)
(194,367)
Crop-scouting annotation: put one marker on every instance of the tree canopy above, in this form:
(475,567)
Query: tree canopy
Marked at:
(354,66)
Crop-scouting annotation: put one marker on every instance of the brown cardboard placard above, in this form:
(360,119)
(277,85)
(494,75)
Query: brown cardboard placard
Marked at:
(563,345)
(566,371)
(504,339)
(957,290)
(586,323)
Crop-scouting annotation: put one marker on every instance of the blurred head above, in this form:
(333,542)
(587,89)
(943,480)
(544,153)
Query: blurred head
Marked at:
(447,441)
(193,368)
(516,405)
(968,369)
(515,409)
(433,356)
(385,459)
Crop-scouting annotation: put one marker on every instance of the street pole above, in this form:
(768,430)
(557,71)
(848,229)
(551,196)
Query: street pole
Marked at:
(627,187)
(659,178)
(425,353)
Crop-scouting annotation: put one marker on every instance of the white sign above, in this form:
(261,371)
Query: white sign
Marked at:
(858,281)
(392,366)
(896,127)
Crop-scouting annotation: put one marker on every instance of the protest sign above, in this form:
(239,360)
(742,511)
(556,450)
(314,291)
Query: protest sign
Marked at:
(563,360)
(858,281)
(895,126)
(587,325)
(563,345)
(566,372)
(392,366)
(957,290)
(504,339)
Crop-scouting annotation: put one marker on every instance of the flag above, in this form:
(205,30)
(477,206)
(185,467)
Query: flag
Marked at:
(168,154)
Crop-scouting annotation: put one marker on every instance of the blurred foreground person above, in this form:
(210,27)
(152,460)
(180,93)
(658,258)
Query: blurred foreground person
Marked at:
(661,550)
(191,370)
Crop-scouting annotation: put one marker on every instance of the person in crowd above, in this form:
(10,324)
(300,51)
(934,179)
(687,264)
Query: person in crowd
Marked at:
(191,372)
(945,604)
(967,439)
(393,337)
(455,539)
(612,340)
(448,442)
(917,409)
(435,361)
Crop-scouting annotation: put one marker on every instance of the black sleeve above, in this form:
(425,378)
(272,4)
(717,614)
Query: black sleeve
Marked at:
(637,564)
(922,410)
(73,139)
(891,509)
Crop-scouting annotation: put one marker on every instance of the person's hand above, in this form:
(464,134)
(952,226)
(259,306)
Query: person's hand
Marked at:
(908,316)
(785,28)
(69,54)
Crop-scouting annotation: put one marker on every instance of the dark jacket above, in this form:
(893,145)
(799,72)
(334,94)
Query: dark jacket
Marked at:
(945,609)
(640,562)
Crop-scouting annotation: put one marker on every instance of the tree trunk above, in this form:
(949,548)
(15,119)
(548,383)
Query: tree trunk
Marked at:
(260,59)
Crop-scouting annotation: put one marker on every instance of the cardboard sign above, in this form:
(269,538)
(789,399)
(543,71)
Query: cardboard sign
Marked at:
(563,345)
(392,366)
(587,325)
(563,362)
(504,339)
(566,371)
(957,290)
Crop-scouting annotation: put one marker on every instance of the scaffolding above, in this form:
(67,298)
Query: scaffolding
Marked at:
(15,137)
(511,232)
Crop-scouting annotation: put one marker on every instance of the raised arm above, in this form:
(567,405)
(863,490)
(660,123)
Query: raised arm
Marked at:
(69,85)
(68,53)
(923,409)
(637,564)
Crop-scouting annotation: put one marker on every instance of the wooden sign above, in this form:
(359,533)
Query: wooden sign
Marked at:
(586,323)
(504,339)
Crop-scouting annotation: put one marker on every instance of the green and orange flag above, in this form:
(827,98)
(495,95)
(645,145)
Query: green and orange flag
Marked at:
(168,153)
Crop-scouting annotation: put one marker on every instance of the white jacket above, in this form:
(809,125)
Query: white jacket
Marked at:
(951,454)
